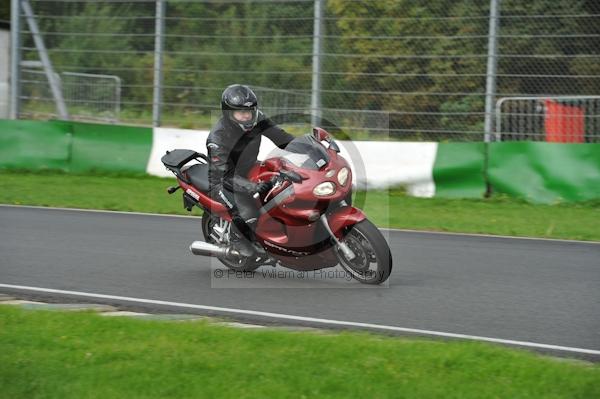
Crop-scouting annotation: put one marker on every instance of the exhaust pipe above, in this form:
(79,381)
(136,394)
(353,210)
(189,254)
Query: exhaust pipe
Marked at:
(208,249)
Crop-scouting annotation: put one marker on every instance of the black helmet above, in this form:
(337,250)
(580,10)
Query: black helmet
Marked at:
(240,98)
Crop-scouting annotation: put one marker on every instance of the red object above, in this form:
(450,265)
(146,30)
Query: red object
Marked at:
(215,206)
(321,134)
(290,231)
(564,123)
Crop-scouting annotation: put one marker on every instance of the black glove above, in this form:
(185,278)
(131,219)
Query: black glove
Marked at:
(263,187)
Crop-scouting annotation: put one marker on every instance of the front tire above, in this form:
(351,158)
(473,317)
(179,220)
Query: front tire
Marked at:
(372,263)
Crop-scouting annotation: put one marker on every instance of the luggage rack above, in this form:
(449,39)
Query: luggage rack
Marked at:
(176,159)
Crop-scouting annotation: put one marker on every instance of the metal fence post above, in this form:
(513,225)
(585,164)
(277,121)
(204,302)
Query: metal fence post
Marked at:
(318,31)
(492,66)
(55,85)
(15,58)
(158,61)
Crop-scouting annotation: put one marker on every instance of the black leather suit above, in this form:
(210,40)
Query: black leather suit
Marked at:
(232,153)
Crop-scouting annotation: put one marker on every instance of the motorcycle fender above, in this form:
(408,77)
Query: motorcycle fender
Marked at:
(344,217)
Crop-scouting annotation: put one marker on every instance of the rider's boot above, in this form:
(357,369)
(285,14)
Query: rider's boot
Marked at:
(246,244)
(260,251)
(241,244)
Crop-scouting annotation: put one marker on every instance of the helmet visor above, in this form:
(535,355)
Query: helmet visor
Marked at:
(243,116)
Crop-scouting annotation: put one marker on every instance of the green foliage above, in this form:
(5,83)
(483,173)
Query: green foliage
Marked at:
(519,40)
(422,62)
(435,79)
(5,10)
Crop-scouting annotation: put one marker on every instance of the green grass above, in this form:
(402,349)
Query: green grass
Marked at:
(111,192)
(497,215)
(64,355)
(500,215)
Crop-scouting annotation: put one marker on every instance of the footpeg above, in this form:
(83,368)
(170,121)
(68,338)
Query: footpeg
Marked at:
(172,189)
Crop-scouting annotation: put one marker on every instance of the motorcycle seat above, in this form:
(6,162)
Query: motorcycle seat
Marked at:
(198,175)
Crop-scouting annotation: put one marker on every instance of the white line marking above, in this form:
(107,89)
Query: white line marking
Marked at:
(307,319)
(381,228)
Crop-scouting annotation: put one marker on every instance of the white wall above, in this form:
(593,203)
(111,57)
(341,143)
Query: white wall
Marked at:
(382,164)
(4,73)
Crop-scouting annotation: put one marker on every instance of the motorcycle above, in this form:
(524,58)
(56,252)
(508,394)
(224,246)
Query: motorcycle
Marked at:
(306,221)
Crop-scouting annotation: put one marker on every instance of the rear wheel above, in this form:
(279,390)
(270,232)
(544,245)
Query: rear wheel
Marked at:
(217,231)
(372,263)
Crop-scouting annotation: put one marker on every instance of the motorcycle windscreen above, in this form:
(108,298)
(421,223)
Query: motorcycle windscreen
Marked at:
(304,152)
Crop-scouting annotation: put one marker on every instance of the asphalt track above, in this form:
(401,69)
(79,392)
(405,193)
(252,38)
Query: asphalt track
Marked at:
(545,292)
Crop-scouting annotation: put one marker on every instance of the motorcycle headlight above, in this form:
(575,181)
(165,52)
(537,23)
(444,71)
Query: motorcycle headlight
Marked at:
(324,189)
(343,176)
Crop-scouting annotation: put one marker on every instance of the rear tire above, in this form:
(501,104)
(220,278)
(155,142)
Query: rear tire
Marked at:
(371,249)
(244,264)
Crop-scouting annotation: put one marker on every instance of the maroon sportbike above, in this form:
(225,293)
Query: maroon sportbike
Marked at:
(306,221)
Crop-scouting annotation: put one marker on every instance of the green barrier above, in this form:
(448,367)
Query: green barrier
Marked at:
(537,172)
(34,145)
(73,146)
(545,172)
(110,148)
(458,171)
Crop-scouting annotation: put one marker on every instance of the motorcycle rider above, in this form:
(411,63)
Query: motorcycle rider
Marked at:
(233,145)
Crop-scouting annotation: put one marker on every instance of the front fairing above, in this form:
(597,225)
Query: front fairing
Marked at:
(329,173)
(303,201)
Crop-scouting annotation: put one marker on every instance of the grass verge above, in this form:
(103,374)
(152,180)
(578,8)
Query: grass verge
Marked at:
(65,355)
(499,215)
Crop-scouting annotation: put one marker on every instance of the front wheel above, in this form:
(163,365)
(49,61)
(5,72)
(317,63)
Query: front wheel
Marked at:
(372,263)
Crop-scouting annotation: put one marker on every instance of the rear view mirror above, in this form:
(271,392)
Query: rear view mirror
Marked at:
(321,134)
(333,145)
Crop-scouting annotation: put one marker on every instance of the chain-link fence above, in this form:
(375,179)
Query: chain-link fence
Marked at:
(88,97)
(418,69)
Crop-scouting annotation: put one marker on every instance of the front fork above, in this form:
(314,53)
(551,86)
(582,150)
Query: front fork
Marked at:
(348,254)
